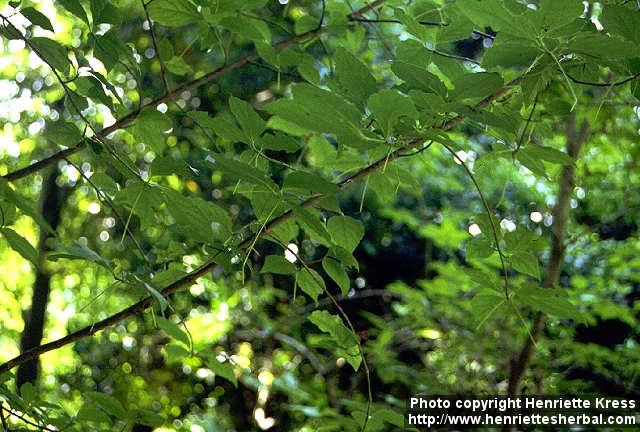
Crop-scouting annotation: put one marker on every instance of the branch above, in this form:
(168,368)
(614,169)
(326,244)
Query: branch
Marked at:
(424,23)
(363,10)
(205,268)
(605,84)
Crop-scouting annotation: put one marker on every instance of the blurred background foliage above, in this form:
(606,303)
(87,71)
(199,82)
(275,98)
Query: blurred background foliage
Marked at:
(237,351)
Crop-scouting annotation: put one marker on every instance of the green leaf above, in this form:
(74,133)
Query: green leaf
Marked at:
(75,8)
(175,353)
(167,165)
(36,17)
(522,240)
(142,199)
(344,256)
(621,21)
(108,403)
(178,66)
(479,248)
(225,127)
(20,245)
(198,220)
(526,262)
(345,231)
(242,171)
(91,412)
(547,154)
(494,14)
(388,416)
(352,78)
(173,330)
(225,370)
(277,264)
(280,142)
(146,417)
(91,87)
(418,77)
(341,335)
(510,54)
(312,225)
(604,47)
(388,106)
(318,110)
(484,305)
(250,122)
(103,11)
(80,251)
(475,85)
(150,126)
(173,13)
(309,182)
(533,163)
(382,185)
(310,282)
(63,133)
(553,14)
(28,393)
(109,49)
(23,204)
(552,301)
(52,52)
(162,301)
(10,33)
(334,269)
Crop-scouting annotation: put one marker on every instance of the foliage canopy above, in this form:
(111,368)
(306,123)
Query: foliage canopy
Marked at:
(293,215)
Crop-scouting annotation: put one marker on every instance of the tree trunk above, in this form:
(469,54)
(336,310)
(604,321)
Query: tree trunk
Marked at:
(34,319)
(575,140)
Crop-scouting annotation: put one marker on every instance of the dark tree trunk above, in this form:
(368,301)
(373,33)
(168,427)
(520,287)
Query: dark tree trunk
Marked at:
(34,319)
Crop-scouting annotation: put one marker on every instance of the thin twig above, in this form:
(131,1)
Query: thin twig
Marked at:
(604,84)
(526,125)
(24,419)
(163,68)
(487,208)
(104,198)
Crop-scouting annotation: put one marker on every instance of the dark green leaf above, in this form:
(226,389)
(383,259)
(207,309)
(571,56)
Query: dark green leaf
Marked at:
(109,404)
(345,231)
(352,77)
(475,85)
(341,335)
(277,264)
(178,66)
(75,8)
(250,122)
(199,220)
(173,13)
(63,133)
(242,171)
(310,282)
(173,330)
(309,182)
(36,17)
(312,225)
(388,106)
(52,52)
(526,262)
(334,269)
